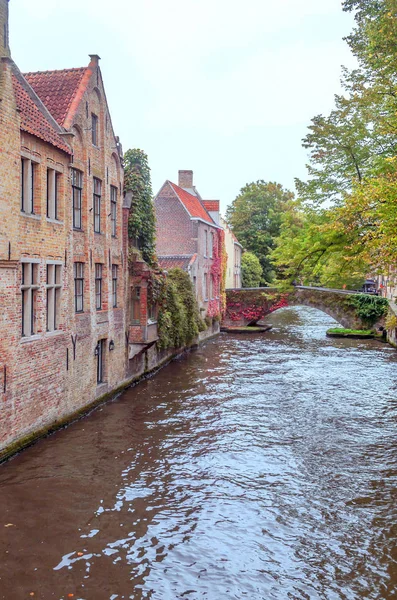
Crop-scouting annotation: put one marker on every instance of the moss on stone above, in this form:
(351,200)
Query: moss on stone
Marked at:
(352,333)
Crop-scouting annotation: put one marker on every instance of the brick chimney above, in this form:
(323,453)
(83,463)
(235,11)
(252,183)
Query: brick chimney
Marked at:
(4,42)
(185,179)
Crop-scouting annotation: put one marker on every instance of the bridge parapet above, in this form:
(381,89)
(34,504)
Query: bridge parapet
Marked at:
(247,306)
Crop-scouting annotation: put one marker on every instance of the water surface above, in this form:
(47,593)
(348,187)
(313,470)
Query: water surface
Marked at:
(259,467)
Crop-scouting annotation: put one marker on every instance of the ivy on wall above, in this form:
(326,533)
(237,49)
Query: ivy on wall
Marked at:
(178,320)
(369,308)
(216,308)
(141,220)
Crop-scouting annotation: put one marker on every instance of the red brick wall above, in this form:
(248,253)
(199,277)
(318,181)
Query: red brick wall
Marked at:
(175,232)
(45,381)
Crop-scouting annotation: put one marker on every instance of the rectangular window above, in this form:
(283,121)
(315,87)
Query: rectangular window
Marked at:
(98,286)
(100,365)
(113,209)
(29,288)
(52,193)
(205,243)
(205,286)
(94,129)
(114,285)
(28,181)
(77,190)
(97,204)
(136,306)
(152,313)
(211,245)
(54,286)
(211,287)
(78,286)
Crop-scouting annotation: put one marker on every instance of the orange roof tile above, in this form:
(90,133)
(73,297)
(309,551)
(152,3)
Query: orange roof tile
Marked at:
(34,116)
(211,205)
(57,89)
(192,204)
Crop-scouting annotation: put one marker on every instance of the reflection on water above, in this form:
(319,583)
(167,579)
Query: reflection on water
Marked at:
(260,467)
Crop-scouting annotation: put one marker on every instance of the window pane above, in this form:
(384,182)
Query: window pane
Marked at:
(98,286)
(94,125)
(23,188)
(77,183)
(78,286)
(136,306)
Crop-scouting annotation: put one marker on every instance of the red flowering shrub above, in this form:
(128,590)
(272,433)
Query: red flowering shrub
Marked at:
(255,305)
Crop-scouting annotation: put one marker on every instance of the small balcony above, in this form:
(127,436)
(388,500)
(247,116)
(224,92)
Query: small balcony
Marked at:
(141,337)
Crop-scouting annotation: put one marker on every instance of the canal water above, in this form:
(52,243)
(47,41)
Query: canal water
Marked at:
(258,467)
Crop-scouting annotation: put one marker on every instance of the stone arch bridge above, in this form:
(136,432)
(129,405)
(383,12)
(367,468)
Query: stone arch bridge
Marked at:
(247,306)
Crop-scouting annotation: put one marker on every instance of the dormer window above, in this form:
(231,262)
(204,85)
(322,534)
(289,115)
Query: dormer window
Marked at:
(94,129)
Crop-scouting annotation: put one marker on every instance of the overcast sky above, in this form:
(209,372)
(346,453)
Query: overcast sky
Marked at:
(223,87)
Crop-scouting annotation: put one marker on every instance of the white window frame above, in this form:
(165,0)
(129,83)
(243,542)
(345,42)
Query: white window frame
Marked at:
(29,291)
(94,129)
(53,177)
(97,197)
(28,182)
(205,243)
(113,209)
(77,197)
(53,287)
(78,274)
(136,306)
(114,285)
(98,285)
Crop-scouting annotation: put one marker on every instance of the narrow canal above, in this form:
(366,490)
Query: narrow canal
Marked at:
(257,467)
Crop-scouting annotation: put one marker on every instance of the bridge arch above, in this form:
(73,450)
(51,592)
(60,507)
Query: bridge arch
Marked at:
(247,306)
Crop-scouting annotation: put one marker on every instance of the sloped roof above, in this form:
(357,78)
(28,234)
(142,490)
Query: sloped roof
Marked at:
(35,118)
(235,239)
(57,89)
(182,261)
(192,204)
(211,205)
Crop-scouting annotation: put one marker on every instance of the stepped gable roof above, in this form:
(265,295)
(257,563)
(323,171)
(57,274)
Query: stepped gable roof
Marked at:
(58,89)
(211,205)
(182,261)
(35,118)
(192,204)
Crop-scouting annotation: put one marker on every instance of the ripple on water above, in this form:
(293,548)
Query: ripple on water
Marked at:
(260,467)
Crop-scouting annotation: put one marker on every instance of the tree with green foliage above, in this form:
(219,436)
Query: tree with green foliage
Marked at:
(353,156)
(251,270)
(141,220)
(351,144)
(312,250)
(255,218)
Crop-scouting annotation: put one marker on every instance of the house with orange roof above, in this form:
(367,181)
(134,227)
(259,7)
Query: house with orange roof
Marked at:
(188,235)
(63,244)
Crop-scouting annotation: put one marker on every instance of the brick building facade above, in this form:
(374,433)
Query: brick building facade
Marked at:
(62,249)
(234,252)
(188,237)
(75,323)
